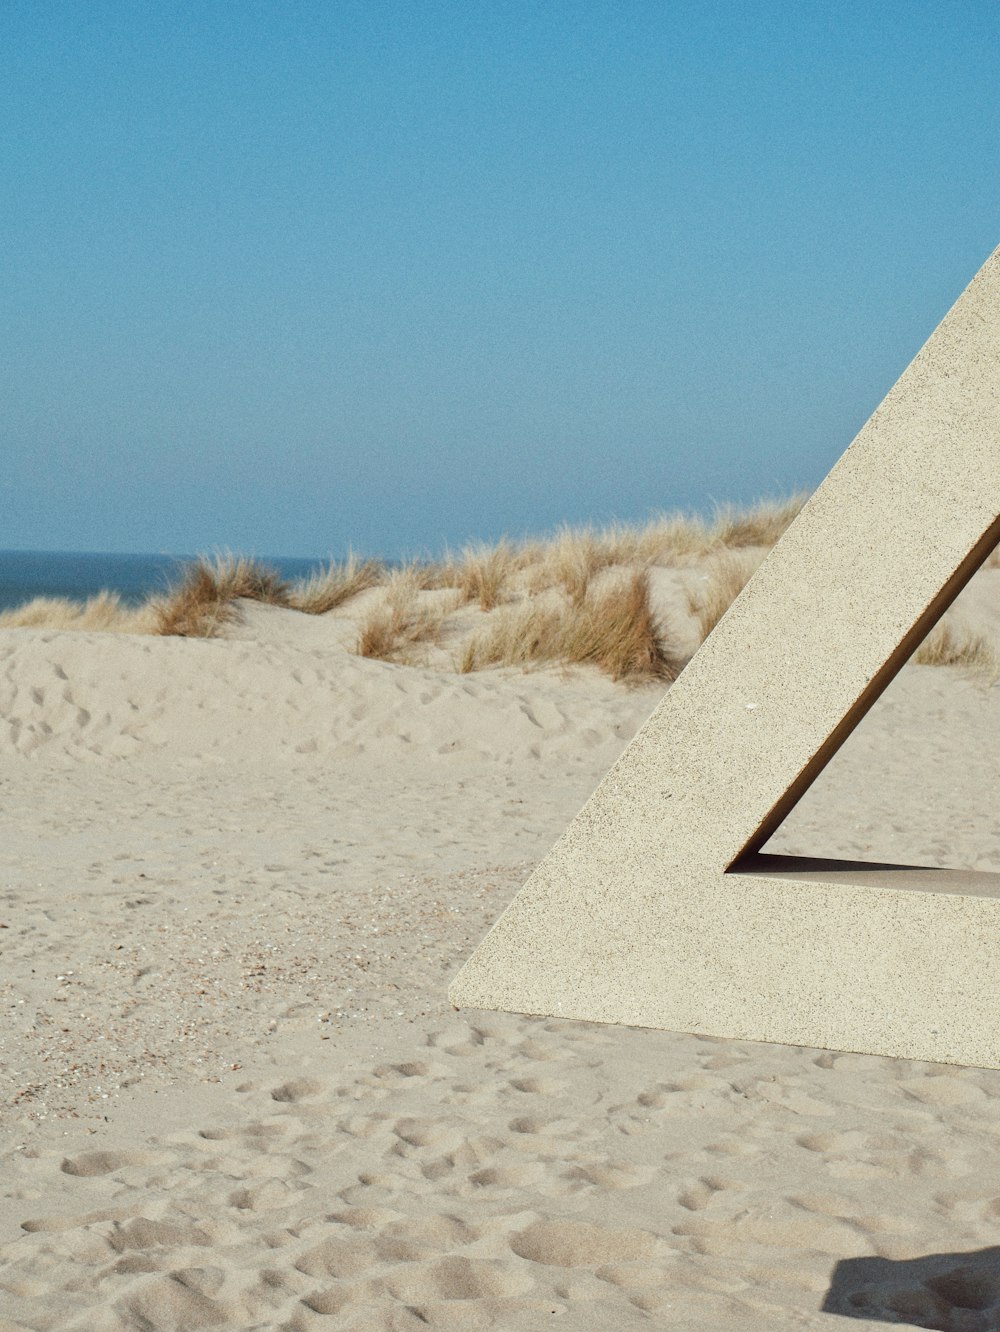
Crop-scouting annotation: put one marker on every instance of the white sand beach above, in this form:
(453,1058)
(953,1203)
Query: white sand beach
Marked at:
(236,876)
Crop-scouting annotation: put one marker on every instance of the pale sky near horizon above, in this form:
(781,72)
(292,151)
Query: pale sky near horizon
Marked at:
(291,277)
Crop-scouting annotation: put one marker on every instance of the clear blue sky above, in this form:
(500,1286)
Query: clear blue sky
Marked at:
(290,276)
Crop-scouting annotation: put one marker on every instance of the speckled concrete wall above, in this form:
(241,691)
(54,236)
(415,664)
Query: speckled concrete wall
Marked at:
(653,908)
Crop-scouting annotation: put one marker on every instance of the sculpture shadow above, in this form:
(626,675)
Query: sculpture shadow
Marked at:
(952,1292)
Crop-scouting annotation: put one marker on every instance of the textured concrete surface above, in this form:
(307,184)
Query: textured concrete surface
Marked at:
(653,908)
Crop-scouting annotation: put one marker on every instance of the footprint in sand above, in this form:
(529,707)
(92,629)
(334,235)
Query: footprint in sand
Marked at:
(255,1135)
(774,1226)
(415,1135)
(89,1164)
(508,1177)
(458,1278)
(537,1086)
(365,1218)
(338,1258)
(416,1068)
(580,1244)
(147,1233)
(830,1144)
(684,1093)
(733,1144)
(944,1090)
(434,1232)
(696,1197)
(611,1174)
(539,1051)
(263,1197)
(187,1297)
(331,1301)
(543,1126)
(872,1223)
(456,1042)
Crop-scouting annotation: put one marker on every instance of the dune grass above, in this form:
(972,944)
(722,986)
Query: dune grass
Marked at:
(202,602)
(395,626)
(762,524)
(335,585)
(613,628)
(482,574)
(427,575)
(199,603)
(571,559)
(666,539)
(947,645)
(581,595)
(103,613)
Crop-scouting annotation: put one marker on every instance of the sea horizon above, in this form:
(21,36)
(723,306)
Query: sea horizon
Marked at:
(77,575)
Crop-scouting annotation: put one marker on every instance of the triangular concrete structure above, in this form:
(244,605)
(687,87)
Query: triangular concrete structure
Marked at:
(655,909)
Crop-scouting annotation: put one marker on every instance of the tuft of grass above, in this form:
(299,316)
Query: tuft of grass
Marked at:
(947,646)
(195,607)
(428,575)
(331,587)
(719,587)
(762,524)
(616,629)
(613,628)
(667,539)
(393,628)
(574,557)
(202,602)
(517,636)
(482,573)
(379,634)
(103,613)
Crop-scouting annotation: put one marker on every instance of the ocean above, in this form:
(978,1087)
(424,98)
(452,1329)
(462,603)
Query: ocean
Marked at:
(25,574)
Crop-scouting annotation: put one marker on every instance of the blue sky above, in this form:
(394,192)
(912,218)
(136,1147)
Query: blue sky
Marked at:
(295,276)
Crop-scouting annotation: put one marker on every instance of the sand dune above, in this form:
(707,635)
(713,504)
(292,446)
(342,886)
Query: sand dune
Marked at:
(237,876)
(105,696)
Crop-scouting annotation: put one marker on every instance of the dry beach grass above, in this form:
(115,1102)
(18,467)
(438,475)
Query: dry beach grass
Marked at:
(103,613)
(582,596)
(396,624)
(613,628)
(203,600)
(335,585)
(947,645)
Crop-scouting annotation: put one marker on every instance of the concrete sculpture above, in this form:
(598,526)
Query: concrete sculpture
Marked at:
(656,907)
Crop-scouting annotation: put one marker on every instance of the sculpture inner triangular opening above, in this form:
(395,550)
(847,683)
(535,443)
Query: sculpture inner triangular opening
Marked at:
(655,907)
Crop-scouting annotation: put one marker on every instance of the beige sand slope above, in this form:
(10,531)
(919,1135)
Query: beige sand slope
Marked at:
(236,879)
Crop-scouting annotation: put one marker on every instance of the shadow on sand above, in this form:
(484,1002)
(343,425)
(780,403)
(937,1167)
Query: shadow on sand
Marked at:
(952,1292)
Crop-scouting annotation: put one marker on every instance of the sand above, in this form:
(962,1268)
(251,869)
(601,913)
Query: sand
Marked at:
(235,879)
